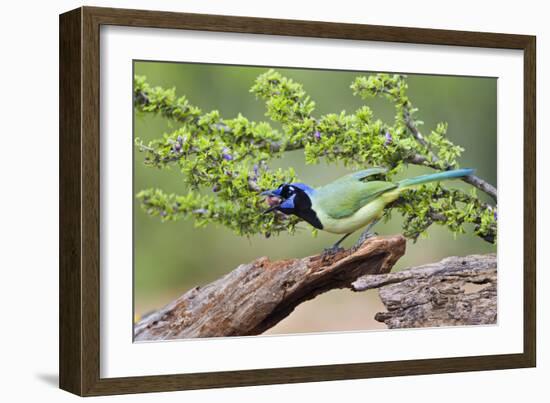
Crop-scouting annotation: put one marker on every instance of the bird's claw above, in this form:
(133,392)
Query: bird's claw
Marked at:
(364,236)
(333,250)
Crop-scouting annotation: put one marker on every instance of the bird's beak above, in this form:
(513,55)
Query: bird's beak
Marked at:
(272,199)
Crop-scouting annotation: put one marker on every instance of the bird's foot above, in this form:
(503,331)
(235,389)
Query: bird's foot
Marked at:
(333,250)
(364,236)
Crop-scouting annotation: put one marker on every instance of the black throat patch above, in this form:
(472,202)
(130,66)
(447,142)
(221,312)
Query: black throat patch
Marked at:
(310,216)
(303,210)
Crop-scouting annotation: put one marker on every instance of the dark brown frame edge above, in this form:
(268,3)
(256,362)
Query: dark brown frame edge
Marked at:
(79,200)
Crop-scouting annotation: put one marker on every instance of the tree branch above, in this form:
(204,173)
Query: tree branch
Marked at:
(225,155)
(418,159)
(454,291)
(414,130)
(180,112)
(256,296)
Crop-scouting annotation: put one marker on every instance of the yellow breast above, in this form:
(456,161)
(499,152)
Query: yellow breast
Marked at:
(361,218)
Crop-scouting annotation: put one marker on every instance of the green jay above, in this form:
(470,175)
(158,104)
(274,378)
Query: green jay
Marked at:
(348,203)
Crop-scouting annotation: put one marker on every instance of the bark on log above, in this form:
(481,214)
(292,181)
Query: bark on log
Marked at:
(256,296)
(454,291)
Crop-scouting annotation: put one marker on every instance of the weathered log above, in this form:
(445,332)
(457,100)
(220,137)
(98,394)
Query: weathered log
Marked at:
(454,291)
(256,296)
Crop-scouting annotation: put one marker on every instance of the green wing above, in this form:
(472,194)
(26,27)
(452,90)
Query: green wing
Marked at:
(345,196)
(362,175)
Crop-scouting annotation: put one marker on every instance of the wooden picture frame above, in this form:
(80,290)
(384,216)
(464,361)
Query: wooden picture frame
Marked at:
(80,200)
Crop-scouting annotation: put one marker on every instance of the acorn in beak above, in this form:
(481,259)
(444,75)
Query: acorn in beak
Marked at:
(272,200)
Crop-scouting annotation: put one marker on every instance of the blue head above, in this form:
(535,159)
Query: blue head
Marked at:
(293,198)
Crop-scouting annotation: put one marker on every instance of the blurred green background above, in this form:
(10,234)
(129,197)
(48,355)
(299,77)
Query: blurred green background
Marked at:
(170,258)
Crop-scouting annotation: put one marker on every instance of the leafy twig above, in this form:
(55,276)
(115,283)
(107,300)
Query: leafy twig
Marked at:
(229,156)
